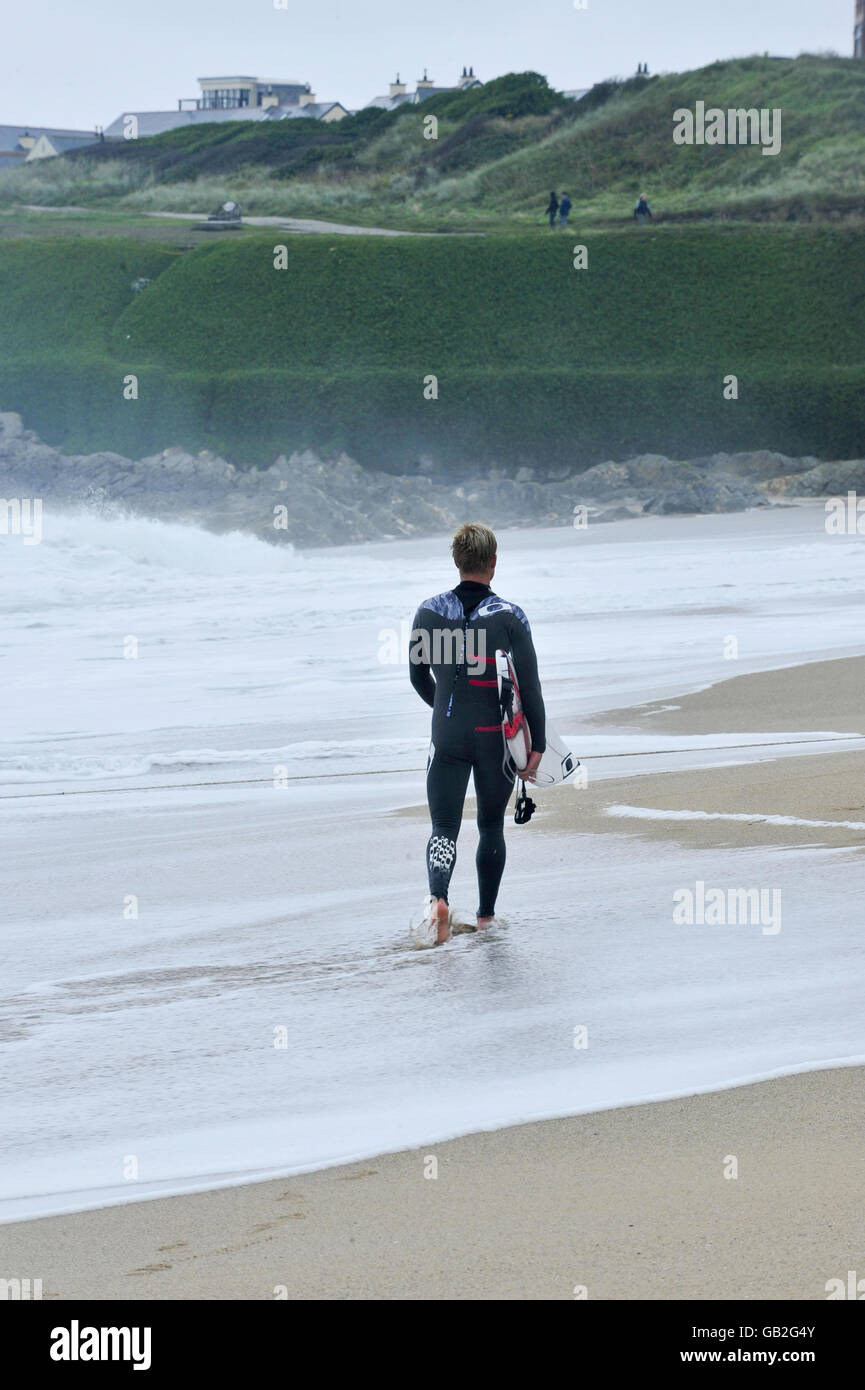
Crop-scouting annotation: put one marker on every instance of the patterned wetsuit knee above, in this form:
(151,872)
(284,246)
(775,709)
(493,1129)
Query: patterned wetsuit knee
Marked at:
(453,669)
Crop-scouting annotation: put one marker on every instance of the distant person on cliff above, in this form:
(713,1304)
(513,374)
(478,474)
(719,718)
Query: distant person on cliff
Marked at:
(642,211)
(552,208)
(564,210)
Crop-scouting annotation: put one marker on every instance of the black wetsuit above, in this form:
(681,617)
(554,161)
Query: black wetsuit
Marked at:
(453,668)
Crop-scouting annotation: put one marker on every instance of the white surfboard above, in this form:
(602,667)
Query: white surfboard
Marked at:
(515,728)
(557,762)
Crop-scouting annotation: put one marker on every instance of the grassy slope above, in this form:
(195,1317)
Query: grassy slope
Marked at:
(63,300)
(534,359)
(646,301)
(493,168)
(627,143)
(44,224)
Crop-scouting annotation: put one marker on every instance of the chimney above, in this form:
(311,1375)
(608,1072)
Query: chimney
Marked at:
(307,98)
(424,82)
(397,89)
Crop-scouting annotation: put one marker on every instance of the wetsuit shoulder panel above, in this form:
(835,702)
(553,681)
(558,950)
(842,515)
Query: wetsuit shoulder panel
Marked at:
(446,605)
(494,604)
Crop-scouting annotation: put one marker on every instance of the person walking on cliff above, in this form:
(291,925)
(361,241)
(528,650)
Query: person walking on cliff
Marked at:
(564,211)
(552,208)
(642,211)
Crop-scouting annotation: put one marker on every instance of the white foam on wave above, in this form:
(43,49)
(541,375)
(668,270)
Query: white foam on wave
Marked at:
(308,756)
(109,539)
(743,817)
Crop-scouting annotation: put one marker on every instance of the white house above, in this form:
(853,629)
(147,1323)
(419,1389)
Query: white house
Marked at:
(231,97)
(399,95)
(19,144)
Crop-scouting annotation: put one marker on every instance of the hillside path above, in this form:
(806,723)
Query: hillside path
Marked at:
(299,224)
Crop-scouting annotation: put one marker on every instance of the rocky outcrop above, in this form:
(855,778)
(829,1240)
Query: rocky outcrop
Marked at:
(759,466)
(665,487)
(311,501)
(823,480)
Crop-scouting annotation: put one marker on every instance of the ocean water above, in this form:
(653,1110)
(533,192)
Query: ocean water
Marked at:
(206,760)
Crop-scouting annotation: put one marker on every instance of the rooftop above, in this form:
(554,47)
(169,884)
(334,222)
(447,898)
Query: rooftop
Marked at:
(262,81)
(11,134)
(312,110)
(155,122)
(68,142)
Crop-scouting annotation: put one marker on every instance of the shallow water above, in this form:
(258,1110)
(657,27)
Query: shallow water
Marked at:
(264,1011)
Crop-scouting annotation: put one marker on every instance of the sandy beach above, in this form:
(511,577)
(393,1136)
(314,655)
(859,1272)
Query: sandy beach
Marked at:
(637,1202)
(816,695)
(826,787)
(630,1203)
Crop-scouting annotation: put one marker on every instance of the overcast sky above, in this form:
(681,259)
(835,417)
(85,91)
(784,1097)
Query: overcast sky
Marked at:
(78,65)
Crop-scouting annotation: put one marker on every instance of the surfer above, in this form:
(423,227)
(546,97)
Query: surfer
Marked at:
(452,667)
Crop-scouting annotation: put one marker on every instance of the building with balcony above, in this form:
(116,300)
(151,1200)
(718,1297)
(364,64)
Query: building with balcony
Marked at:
(233,92)
(230,98)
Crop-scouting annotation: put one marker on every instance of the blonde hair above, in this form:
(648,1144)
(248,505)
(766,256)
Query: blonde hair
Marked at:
(473,548)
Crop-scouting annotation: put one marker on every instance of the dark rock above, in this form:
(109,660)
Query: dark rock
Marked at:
(334,501)
(825,480)
(634,476)
(759,465)
(719,492)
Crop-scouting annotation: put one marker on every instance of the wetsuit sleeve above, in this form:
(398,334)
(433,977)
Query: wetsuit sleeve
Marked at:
(419,671)
(526,662)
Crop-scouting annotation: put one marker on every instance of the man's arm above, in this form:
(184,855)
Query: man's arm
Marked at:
(526,662)
(419,671)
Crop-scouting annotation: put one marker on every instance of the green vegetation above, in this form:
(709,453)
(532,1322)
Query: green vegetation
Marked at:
(536,361)
(500,148)
(62,301)
(45,223)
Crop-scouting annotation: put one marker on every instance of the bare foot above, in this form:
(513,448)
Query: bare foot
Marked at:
(441,912)
(484,922)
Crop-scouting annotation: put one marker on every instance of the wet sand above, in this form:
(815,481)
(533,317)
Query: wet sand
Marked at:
(638,1202)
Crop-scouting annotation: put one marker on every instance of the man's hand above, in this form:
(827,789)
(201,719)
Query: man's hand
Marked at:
(531,767)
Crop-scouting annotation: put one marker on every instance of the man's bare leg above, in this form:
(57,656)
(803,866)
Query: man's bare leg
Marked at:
(441,915)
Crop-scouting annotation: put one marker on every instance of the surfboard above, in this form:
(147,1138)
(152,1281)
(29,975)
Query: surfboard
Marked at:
(515,727)
(557,762)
